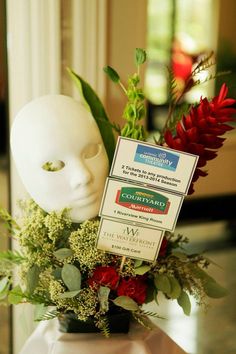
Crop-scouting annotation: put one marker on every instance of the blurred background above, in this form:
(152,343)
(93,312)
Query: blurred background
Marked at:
(39,39)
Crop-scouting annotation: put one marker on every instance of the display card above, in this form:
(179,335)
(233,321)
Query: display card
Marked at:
(153,165)
(130,240)
(140,204)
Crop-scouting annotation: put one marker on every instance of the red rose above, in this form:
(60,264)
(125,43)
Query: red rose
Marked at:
(106,276)
(135,288)
(163,248)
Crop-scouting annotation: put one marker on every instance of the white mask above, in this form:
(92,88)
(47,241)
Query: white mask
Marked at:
(59,130)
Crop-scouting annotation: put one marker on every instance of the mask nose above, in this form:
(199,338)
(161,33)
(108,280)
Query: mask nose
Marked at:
(79,174)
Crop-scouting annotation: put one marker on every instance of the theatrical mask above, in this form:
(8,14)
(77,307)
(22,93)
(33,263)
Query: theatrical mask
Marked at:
(60,156)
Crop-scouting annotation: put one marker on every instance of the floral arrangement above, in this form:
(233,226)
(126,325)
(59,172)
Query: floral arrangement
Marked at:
(61,271)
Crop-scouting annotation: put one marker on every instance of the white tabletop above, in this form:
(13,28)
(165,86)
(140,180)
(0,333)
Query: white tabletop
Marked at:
(47,339)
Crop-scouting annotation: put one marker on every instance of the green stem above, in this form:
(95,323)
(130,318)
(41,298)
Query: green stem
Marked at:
(123,87)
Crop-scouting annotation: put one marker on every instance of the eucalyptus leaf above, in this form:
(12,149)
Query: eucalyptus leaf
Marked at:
(180,255)
(57,273)
(151,293)
(214,290)
(69,294)
(71,276)
(126,303)
(93,103)
(162,283)
(16,295)
(155,294)
(140,56)
(175,287)
(32,278)
(200,273)
(103,294)
(142,270)
(3,284)
(184,302)
(137,263)
(112,74)
(63,253)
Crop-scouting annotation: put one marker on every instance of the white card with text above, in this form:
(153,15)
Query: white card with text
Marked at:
(140,204)
(129,240)
(153,165)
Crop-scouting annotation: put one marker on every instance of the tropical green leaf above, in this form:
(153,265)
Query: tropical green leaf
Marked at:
(103,294)
(69,294)
(126,303)
(71,276)
(214,290)
(162,283)
(94,104)
(112,74)
(63,253)
(140,56)
(175,288)
(16,295)
(184,302)
(32,278)
(142,270)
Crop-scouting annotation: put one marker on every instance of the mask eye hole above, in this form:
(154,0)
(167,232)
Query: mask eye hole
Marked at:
(91,151)
(53,166)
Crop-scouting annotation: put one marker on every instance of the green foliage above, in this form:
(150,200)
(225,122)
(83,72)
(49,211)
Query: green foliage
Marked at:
(184,302)
(103,324)
(97,109)
(12,256)
(5,283)
(103,294)
(142,269)
(45,314)
(134,110)
(112,74)
(16,296)
(162,283)
(63,253)
(176,289)
(9,222)
(143,319)
(32,278)
(137,263)
(69,294)
(126,303)
(71,276)
(151,314)
(214,290)
(140,56)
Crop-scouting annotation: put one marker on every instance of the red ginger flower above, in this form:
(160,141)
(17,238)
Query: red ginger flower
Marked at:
(199,132)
